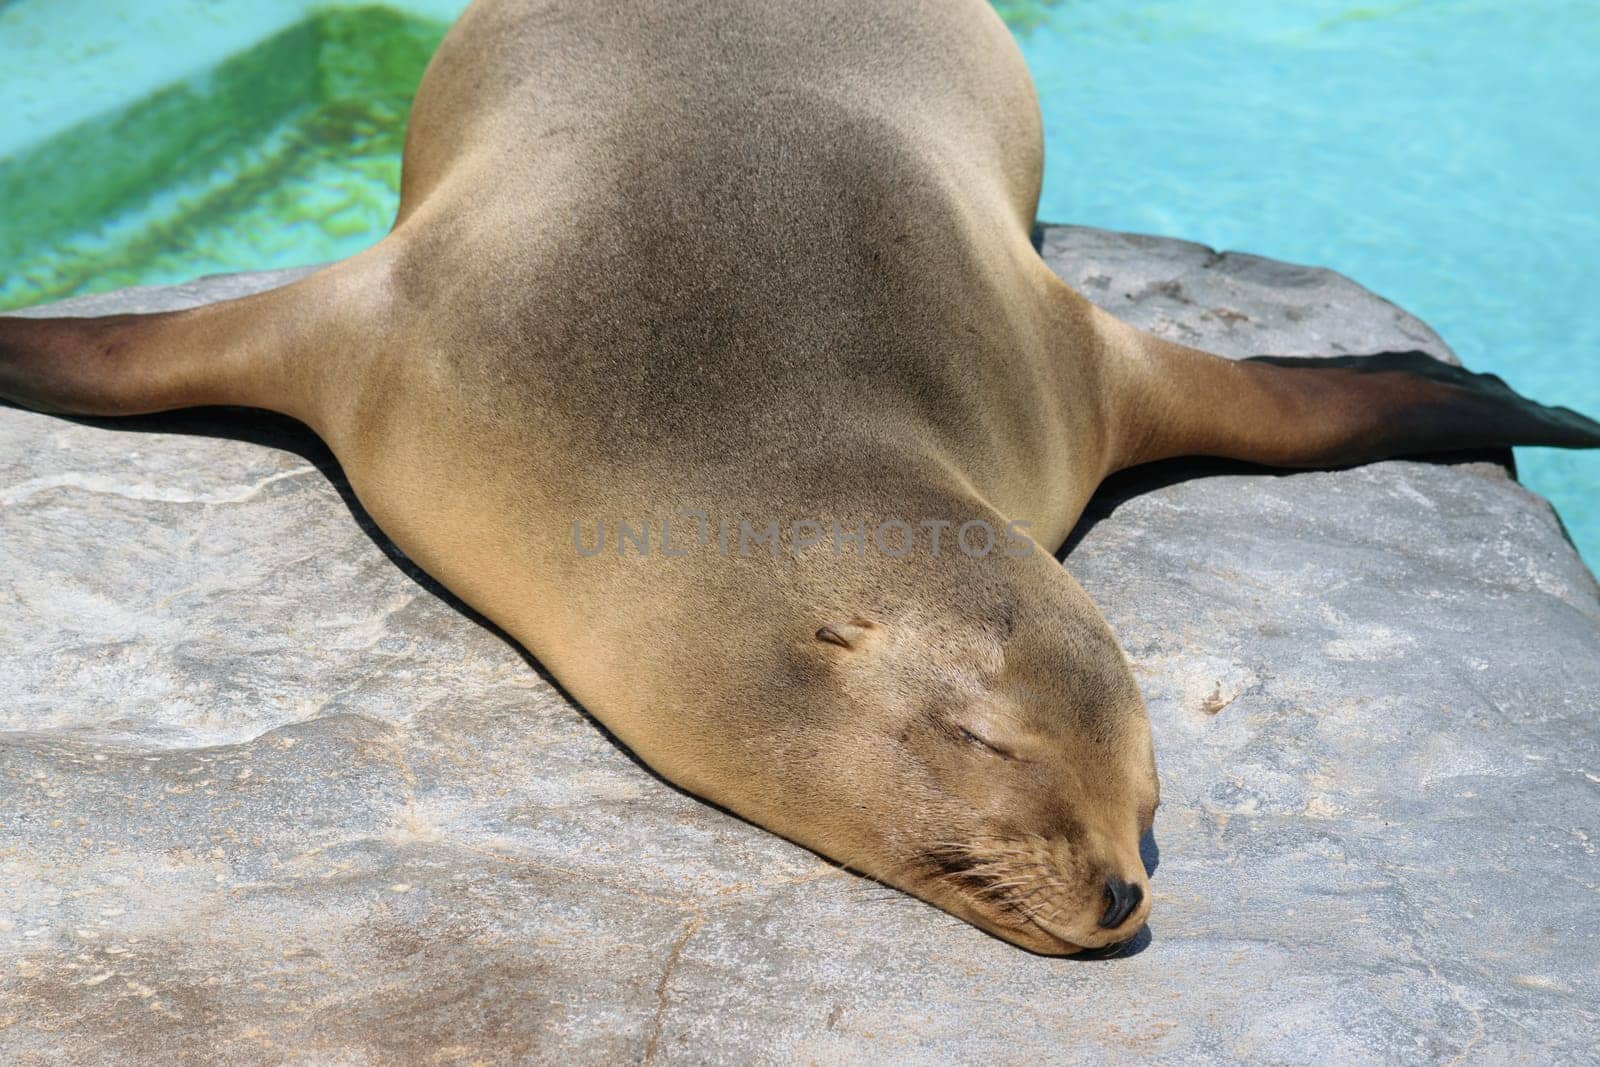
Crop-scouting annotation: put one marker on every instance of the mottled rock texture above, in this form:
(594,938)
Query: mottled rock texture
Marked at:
(267,794)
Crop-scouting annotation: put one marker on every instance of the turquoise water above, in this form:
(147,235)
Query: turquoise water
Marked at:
(1442,153)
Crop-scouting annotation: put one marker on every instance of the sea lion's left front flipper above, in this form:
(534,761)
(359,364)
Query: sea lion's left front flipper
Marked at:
(1311,412)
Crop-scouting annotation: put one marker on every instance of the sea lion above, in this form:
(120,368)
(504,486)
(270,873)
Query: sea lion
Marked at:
(698,324)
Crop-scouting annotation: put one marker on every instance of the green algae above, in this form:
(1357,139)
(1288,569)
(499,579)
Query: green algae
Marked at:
(284,154)
(1024,16)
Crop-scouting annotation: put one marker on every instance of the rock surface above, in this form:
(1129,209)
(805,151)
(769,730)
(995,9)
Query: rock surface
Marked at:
(267,795)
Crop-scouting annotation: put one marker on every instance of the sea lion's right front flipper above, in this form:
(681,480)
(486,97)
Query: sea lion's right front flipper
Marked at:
(282,349)
(1313,412)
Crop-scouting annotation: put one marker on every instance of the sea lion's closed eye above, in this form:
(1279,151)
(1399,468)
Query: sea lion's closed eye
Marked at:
(971,735)
(978,741)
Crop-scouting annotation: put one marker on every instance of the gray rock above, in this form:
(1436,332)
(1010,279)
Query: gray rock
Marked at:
(267,794)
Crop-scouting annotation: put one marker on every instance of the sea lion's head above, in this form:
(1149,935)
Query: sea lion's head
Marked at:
(969,733)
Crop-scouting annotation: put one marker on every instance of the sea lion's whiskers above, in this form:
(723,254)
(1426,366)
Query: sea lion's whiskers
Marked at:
(1005,873)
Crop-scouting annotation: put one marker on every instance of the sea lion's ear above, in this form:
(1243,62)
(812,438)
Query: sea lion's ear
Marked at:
(845,634)
(832,636)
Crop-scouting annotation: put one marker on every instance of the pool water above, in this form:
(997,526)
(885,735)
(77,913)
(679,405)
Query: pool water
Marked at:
(285,153)
(1445,155)
(1442,154)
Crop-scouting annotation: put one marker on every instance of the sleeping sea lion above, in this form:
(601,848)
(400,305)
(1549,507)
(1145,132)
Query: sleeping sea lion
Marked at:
(710,358)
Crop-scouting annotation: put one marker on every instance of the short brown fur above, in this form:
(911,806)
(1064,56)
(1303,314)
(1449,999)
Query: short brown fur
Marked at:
(771,261)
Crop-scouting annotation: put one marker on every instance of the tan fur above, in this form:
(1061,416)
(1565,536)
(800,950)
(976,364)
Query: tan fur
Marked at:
(769,260)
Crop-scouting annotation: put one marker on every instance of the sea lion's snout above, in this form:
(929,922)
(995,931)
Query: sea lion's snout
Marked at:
(1122,898)
(1092,933)
(1095,933)
(1045,895)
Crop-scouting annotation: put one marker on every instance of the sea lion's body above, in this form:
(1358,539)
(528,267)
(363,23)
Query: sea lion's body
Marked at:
(768,262)
(687,303)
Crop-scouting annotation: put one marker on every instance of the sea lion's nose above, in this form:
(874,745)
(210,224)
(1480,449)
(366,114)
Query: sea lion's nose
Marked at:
(1121,900)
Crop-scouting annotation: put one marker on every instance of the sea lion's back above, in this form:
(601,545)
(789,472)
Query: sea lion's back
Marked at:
(681,221)
(512,73)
